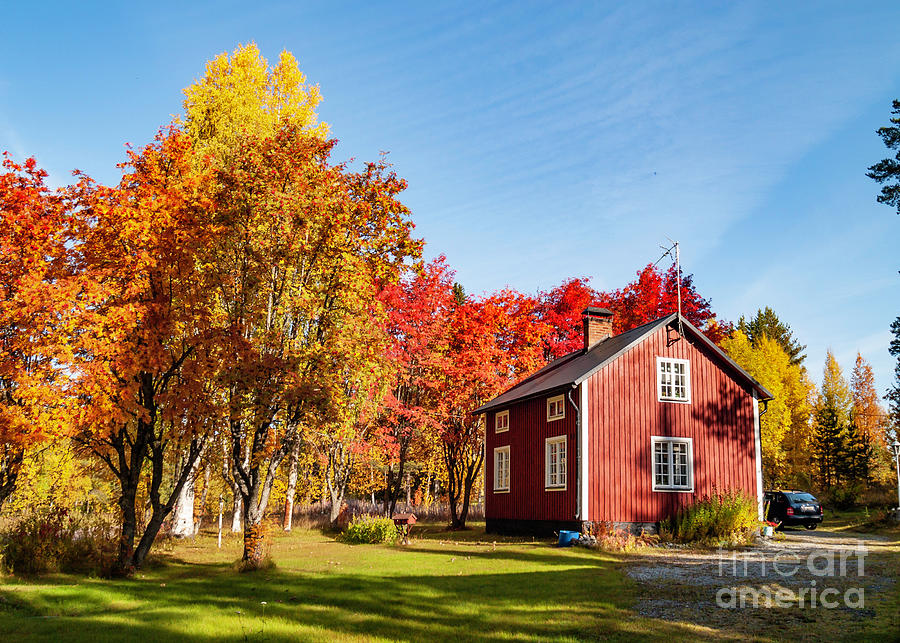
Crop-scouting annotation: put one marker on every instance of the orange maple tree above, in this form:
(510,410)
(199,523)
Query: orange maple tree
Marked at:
(140,337)
(33,220)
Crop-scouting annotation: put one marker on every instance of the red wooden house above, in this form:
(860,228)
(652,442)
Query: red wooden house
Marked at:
(626,431)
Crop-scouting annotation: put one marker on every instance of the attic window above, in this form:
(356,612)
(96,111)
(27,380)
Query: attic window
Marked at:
(556,408)
(673,464)
(673,379)
(501,422)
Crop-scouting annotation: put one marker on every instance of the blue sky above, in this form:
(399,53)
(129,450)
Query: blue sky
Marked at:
(540,140)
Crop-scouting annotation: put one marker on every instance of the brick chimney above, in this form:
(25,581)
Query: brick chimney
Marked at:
(597,325)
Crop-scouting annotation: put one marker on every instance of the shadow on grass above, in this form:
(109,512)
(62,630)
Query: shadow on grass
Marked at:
(192,603)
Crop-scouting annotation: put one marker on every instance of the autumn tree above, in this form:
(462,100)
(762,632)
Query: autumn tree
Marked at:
(493,342)
(887,171)
(241,96)
(870,425)
(654,294)
(418,312)
(33,221)
(766,323)
(306,242)
(560,309)
(358,371)
(140,335)
(833,416)
(785,428)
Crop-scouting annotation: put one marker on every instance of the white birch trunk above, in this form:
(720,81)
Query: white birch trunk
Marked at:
(291,486)
(183,515)
(236,516)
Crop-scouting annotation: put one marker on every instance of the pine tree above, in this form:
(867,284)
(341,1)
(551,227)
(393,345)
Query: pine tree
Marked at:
(856,465)
(829,445)
(831,439)
(766,323)
(887,171)
(893,395)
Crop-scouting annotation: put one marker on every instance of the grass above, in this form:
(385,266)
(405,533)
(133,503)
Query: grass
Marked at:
(859,519)
(444,586)
(435,589)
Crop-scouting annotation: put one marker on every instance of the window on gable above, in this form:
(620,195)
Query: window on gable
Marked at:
(555,463)
(501,422)
(673,379)
(673,464)
(556,408)
(501,469)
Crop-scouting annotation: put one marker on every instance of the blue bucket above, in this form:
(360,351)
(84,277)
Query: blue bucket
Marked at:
(568,538)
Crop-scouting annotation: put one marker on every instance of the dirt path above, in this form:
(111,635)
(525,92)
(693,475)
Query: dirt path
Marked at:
(832,580)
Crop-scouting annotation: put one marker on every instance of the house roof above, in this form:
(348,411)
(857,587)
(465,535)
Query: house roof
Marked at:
(572,369)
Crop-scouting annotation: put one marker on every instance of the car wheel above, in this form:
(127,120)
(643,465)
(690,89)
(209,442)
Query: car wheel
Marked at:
(811,526)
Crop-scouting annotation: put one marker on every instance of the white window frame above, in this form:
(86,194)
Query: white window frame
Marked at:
(659,380)
(560,402)
(497,480)
(497,427)
(559,483)
(670,473)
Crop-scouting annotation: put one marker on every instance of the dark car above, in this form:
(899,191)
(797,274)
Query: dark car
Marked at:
(793,508)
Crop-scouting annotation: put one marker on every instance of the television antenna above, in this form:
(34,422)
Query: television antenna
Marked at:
(674,251)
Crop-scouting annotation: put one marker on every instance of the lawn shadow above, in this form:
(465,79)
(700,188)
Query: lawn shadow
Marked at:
(587,601)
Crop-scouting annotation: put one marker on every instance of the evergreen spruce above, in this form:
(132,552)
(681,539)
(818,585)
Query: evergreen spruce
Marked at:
(766,324)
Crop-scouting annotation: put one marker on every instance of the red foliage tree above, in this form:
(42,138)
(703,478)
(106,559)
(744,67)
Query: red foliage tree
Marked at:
(418,313)
(560,309)
(653,295)
(493,342)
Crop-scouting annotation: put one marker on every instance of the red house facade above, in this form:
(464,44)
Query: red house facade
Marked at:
(626,431)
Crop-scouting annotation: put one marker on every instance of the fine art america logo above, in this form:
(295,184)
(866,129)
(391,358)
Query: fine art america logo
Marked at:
(821,579)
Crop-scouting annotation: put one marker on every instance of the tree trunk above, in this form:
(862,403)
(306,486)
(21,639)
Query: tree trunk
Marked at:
(238,511)
(253,542)
(201,509)
(160,510)
(129,528)
(129,450)
(10,464)
(340,462)
(337,502)
(463,457)
(294,465)
(395,480)
(183,515)
(254,478)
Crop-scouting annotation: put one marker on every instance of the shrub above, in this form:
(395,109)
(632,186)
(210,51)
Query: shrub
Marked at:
(723,517)
(845,496)
(51,540)
(370,530)
(607,537)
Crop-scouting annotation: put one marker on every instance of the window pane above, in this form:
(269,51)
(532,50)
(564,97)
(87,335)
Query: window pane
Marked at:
(661,463)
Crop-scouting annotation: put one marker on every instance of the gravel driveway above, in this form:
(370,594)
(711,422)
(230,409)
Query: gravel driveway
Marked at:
(790,581)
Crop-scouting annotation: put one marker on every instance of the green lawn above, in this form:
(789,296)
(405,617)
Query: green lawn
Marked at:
(859,519)
(442,587)
(324,590)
